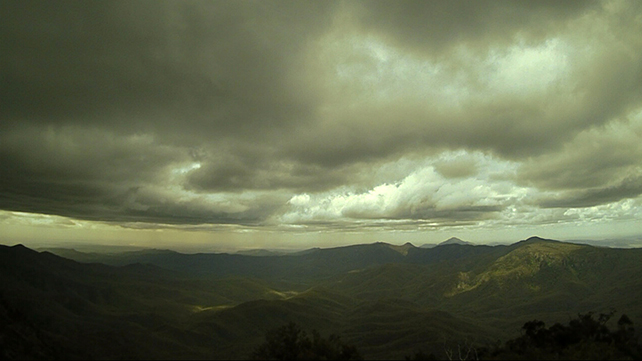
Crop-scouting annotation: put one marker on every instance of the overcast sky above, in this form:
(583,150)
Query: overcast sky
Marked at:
(292,124)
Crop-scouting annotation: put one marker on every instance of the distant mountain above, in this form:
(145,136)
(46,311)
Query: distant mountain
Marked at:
(454,240)
(451,240)
(262,252)
(316,263)
(403,249)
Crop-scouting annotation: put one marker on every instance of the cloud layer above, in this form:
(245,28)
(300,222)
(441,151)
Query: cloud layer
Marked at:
(324,115)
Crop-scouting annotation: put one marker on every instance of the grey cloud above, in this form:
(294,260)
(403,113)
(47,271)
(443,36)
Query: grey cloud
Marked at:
(79,154)
(511,129)
(594,159)
(100,175)
(597,85)
(458,168)
(600,84)
(435,27)
(137,204)
(588,170)
(238,175)
(202,66)
(428,212)
(630,187)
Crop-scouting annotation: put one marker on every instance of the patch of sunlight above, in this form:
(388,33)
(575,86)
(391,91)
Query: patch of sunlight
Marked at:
(197,308)
(284,295)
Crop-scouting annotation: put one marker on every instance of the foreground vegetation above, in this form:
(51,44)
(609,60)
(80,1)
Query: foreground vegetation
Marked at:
(290,342)
(584,338)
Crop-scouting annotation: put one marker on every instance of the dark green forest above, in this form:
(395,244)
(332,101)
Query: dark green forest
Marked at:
(372,301)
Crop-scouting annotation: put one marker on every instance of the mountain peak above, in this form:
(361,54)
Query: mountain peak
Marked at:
(18,249)
(454,240)
(403,249)
(538,239)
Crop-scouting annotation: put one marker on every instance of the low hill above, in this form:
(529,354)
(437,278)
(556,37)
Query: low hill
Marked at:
(51,307)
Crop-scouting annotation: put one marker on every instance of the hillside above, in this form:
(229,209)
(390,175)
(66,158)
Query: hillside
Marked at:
(389,301)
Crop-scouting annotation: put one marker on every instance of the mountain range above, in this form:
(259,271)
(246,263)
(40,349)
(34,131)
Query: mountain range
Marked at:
(389,301)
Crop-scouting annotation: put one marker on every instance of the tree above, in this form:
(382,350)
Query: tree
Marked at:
(585,337)
(290,342)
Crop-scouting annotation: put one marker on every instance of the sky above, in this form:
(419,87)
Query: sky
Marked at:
(221,125)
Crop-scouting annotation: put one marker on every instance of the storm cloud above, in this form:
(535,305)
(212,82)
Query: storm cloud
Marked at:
(329,115)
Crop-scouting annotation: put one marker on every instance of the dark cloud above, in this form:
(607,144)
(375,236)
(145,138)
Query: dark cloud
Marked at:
(117,203)
(458,168)
(218,68)
(630,187)
(237,175)
(433,28)
(589,166)
(96,174)
(58,154)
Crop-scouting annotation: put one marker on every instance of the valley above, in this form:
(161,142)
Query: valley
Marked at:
(388,301)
